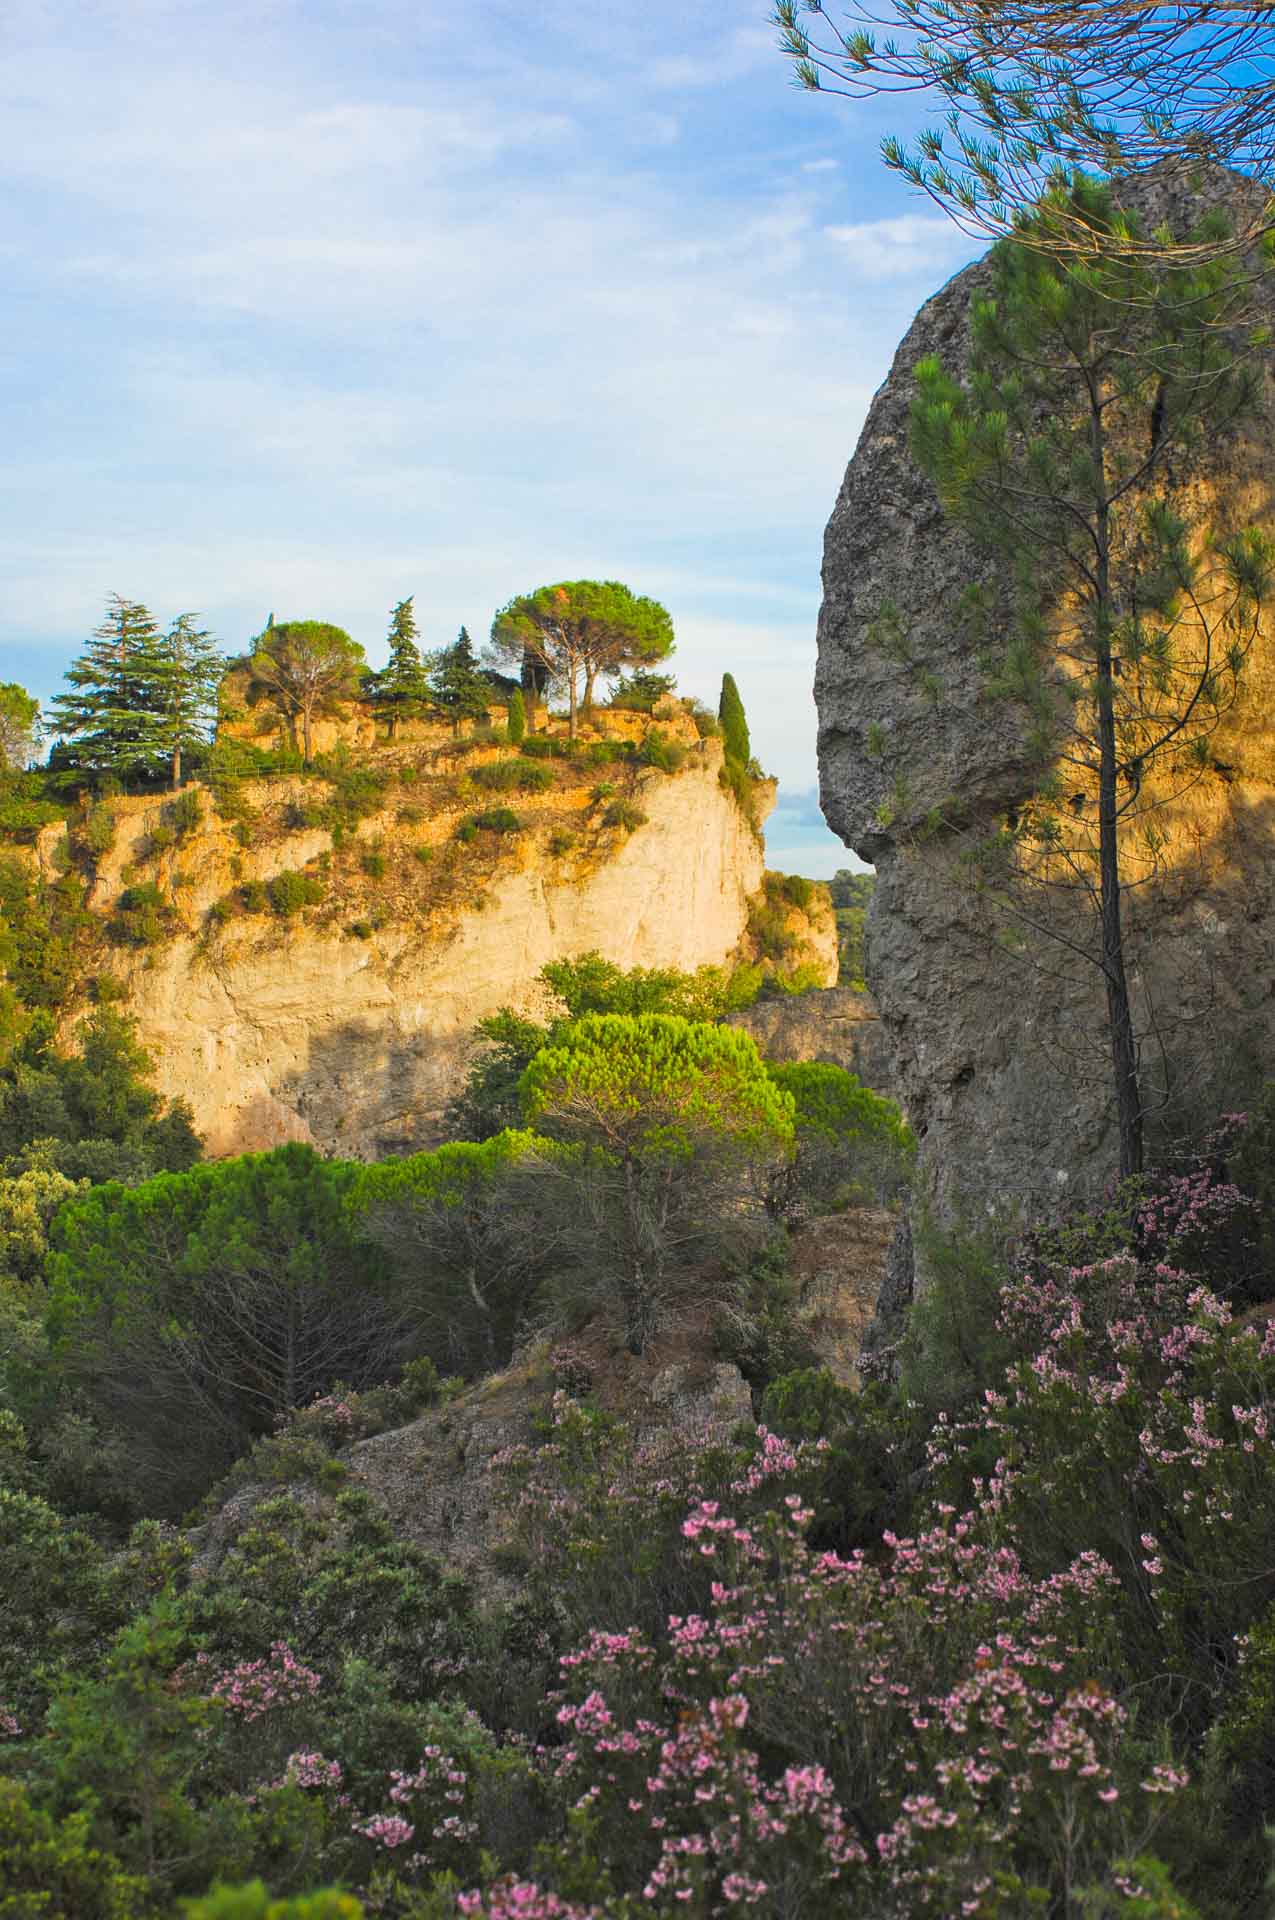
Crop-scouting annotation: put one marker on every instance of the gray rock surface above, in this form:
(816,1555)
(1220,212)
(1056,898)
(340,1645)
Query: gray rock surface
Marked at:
(835,1024)
(999,1062)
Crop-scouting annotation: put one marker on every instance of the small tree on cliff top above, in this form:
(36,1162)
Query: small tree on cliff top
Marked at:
(580,629)
(307,667)
(402,686)
(734,722)
(1086,378)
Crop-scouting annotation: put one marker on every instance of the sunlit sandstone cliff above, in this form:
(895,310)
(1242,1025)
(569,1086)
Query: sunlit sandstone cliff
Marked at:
(348,1022)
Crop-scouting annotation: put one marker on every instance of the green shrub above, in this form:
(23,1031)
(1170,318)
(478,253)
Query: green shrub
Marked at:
(544,746)
(707,725)
(657,750)
(255,897)
(220,911)
(853,1145)
(641,690)
(603,790)
(411,816)
(560,841)
(768,925)
(301,814)
(623,813)
(161,838)
(22,819)
(736,780)
(498,820)
(372,861)
(108,989)
(424,854)
(97,831)
(466,831)
(186,812)
(49,1866)
(798,892)
(361,929)
(498,776)
(142,916)
(536,778)
(288,892)
(606,753)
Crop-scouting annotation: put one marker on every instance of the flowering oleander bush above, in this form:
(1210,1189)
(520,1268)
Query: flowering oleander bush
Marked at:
(1004,1651)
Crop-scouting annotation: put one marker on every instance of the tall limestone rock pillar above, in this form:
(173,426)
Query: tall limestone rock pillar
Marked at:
(1000,1059)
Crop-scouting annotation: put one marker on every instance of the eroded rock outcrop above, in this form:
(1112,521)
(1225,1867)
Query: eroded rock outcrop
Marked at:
(834,1024)
(999,1061)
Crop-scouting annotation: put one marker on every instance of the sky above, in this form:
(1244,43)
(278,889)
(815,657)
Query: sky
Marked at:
(312,306)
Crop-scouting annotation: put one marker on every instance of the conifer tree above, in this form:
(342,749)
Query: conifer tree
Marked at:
(734,722)
(113,713)
(517,726)
(189,668)
(402,686)
(1065,451)
(457,683)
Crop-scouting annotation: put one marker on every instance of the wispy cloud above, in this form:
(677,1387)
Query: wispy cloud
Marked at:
(311,307)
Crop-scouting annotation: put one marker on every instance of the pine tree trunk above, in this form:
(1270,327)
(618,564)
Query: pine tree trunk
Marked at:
(1124,1049)
(1124,1052)
(571,722)
(590,674)
(177,767)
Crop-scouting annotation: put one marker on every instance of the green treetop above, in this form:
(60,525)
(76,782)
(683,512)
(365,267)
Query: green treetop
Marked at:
(458,684)
(1091,381)
(113,714)
(734,722)
(307,668)
(580,629)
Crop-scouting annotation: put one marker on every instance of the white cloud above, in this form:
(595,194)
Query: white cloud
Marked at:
(911,244)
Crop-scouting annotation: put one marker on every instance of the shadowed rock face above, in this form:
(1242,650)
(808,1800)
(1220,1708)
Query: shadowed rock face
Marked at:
(999,1062)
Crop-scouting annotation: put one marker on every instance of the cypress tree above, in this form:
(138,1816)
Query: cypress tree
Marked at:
(114,711)
(734,722)
(517,728)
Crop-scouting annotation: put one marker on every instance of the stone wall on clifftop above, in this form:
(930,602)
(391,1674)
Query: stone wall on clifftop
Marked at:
(998,1061)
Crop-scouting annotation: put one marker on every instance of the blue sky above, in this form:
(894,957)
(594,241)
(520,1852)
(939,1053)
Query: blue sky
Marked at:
(314,306)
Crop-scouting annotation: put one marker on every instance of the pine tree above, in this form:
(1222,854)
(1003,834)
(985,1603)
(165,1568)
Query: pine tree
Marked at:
(581,629)
(402,686)
(113,715)
(308,668)
(189,669)
(734,722)
(1062,449)
(457,684)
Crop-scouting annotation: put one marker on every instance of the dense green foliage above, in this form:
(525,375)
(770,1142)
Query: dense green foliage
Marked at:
(580,630)
(852,1145)
(402,687)
(306,668)
(238,1290)
(19,727)
(733,723)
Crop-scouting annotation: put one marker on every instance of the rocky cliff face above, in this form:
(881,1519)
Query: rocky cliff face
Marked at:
(833,1024)
(347,1021)
(999,1060)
